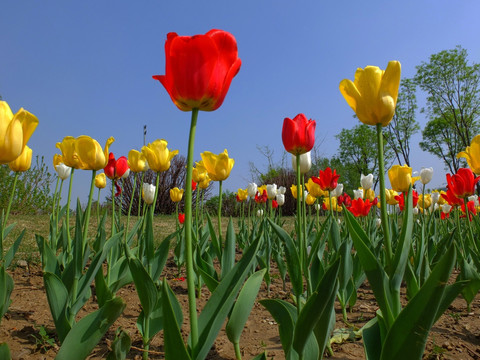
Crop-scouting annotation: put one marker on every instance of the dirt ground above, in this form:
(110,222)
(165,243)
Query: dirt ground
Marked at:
(455,336)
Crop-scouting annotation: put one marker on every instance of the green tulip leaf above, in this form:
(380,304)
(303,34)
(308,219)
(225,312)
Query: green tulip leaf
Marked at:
(285,314)
(120,346)
(146,289)
(228,256)
(13,249)
(6,288)
(57,296)
(407,337)
(372,340)
(5,352)
(87,333)
(243,306)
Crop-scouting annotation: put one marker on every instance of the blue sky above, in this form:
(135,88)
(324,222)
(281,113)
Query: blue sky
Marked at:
(85,68)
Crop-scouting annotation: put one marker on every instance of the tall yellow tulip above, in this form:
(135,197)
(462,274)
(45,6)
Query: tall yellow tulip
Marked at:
(242,194)
(158,155)
(310,200)
(218,166)
(23,162)
(176,194)
(373,93)
(472,155)
(137,161)
(15,131)
(92,156)
(293,189)
(401,177)
(69,153)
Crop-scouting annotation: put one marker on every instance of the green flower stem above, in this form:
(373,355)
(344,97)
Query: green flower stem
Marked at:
(113,209)
(139,208)
(188,235)
(57,203)
(383,200)
(300,239)
(130,205)
(12,194)
(98,207)
(219,215)
(55,195)
(238,354)
(88,211)
(467,219)
(69,242)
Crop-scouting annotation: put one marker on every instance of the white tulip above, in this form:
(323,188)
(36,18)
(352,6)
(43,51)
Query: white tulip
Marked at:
(474,198)
(280,199)
(337,191)
(305,162)
(366,181)
(260,212)
(446,208)
(252,190)
(148,192)
(63,171)
(426,175)
(318,207)
(415,211)
(281,190)
(271,191)
(435,197)
(358,194)
(436,207)
(378,221)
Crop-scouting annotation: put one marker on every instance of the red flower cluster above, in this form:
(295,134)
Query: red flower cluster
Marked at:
(327,180)
(260,199)
(344,199)
(471,210)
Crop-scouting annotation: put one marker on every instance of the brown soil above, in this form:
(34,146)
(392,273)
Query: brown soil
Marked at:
(455,336)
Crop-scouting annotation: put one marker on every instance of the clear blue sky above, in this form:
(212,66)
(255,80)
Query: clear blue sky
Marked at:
(85,68)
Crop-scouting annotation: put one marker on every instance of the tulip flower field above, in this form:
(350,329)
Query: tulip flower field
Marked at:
(369,275)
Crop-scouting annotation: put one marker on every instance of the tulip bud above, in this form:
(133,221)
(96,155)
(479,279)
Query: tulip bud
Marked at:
(63,171)
(318,207)
(446,208)
(252,189)
(148,193)
(271,191)
(280,199)
(259,212)
(426,175)
(415,211)
(101,180)
(305,162)
(378,221)
(366,181)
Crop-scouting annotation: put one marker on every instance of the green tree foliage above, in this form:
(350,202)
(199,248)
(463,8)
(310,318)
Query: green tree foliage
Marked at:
(453,103)
(32,191)
(357,154)
(403,125)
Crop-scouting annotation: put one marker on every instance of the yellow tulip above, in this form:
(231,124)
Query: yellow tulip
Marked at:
(401,177)
(100,180)
(199,173)
(441,200)
(137,161)
(218,166)
(242,194)
(390,197)
(204,183)
(373,93)
(472,155)
(326,202)
(310,200)
(424,203)
(57,160)
(158,155)
(369,194)
(15,131)
(69,153)
(314,189)
(23,162)
(176,194)
(293,189)
(91,154)
(260,189)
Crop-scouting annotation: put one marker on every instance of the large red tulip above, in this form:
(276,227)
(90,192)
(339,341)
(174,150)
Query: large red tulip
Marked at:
(327,180)
(462,184)
(298,134)
(360,207)
(199,69)
(115,169)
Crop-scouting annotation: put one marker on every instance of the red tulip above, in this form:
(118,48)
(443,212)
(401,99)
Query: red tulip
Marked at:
(259,199)
(401,199)
(327,179)
(199,69)
(115,169)
(274,204)
(181,218)
(462,184)
(194,185)
(298,135)
(344,199)
(471,210)
(360,207)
